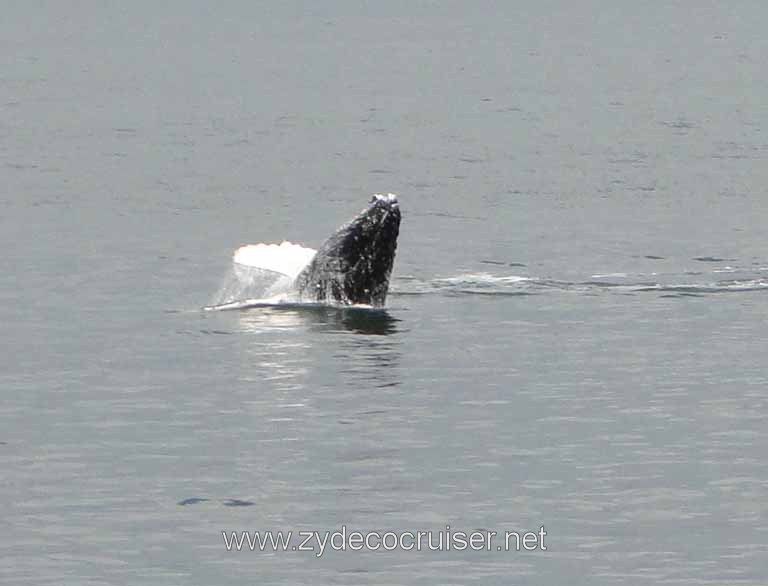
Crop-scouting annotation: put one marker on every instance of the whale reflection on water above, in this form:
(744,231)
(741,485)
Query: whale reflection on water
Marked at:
(318,318)
(356,347)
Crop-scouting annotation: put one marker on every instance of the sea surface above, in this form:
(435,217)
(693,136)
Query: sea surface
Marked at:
(575,337)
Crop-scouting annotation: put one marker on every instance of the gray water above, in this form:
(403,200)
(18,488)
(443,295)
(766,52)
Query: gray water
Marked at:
(575,335)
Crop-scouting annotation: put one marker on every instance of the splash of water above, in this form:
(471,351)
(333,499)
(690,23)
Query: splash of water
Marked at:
(263,272)
(286,258)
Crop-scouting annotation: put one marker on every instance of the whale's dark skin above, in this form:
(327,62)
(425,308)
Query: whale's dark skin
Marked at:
(353,266)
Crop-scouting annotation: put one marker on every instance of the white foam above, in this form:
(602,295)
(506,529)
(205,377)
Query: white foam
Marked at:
(390,198)
(482,278)
(285,258)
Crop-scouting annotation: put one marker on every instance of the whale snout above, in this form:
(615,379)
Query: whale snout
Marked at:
(383,211)
(389,199)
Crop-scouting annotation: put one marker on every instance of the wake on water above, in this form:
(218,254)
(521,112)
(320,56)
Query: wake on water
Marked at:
(264,275)
(718,281)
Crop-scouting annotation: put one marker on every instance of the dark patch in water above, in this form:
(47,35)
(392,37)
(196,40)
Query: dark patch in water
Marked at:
(492,262)
(517,264)
(654,257)
(237,503)
(679,124)
(648,285)
(690,290)
(713,259)
(679,295)
(191,501)
(603,284)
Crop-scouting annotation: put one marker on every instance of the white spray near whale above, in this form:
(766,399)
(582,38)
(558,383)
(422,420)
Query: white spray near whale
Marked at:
(263,273)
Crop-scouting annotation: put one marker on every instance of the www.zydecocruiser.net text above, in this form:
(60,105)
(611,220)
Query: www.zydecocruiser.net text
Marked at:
(319,542)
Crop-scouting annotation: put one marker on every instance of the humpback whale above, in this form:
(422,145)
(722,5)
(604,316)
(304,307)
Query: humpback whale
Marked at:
(353,266)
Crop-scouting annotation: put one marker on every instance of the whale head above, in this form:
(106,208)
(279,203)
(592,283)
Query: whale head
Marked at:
(353,266)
